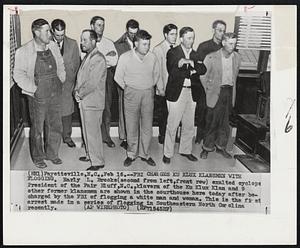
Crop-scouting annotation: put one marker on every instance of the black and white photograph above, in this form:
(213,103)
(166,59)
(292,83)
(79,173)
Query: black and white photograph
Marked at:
(159,112)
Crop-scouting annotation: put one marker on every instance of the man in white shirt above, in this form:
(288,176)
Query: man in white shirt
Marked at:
(170,35)
(107,48)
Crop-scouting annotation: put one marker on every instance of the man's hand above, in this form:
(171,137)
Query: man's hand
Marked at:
(183,61)
(77,97)
(161,92)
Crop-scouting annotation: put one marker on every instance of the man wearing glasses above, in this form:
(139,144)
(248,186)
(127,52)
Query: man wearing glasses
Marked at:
(206,47)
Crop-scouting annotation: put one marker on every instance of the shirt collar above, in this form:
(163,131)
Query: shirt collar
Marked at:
(36,47)
(167,44)
(186,52)
(223,56)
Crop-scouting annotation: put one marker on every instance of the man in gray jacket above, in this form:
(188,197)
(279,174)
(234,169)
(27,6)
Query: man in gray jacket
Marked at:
(39,70)
(90,94)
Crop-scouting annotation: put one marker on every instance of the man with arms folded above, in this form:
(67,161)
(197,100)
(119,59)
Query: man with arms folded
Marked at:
(107,48)
(124,44)
(182,92)
(220,86)
(206,47)
(170,35)
(137,73)
(89,92)
(39,71)
(70,52)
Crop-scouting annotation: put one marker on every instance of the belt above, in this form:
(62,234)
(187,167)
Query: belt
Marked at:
(188,87)
(226,86)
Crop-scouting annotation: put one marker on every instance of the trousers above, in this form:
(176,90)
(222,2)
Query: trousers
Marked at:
(138,106)
(106,118)
(182,110)
(217,121)
(91,123)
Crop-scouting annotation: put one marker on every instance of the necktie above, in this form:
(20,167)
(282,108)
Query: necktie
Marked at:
(60,48)
(171,46)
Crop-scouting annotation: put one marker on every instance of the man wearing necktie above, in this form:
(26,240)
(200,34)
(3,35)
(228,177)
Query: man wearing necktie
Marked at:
(170,35)
(70,52)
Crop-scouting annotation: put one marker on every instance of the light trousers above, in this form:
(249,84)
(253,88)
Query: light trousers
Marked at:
(91,129)
(182,110)
(138,106)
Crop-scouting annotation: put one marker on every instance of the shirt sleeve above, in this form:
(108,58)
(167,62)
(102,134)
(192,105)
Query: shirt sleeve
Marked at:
(120,72)
(157,75)
(204,78)
(111,56)
(20,73)
(160,67)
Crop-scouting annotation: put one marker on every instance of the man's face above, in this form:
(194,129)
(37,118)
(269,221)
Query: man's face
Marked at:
(187,40)
(171,37)
(131,33)
(229,44)
(43,34)
(219,31)
(98,27)
(86,44)
(58,35)
(142,46)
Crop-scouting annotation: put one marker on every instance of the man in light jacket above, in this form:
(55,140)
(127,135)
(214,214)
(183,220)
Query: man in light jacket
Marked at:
(89,92)
(39,70)
(220,87)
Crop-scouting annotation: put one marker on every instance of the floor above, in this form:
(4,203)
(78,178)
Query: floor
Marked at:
(114,158)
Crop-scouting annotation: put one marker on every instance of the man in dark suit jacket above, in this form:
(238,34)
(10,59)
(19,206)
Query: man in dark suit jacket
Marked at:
(70,52)
(182,91)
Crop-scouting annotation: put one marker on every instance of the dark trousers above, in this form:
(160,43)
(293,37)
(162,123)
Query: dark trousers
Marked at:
(67,127)
(217,121)
(106,118)
(200,121)
(45,111)
(162,114)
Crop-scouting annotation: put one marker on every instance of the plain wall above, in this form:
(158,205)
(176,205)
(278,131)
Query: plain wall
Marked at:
(115,21)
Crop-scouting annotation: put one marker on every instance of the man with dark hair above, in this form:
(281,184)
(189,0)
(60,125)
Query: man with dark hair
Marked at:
(206,47)
(220,86)
(39,71)
(107,48)
(182,91)
(137,73)
(170,36)
(124,44)
(70,52)
(89,92)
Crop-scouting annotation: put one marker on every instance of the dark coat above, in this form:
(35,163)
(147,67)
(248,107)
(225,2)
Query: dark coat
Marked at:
(71,62)
(177,75)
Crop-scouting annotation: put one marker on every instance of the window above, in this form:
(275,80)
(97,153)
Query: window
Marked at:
(254,39)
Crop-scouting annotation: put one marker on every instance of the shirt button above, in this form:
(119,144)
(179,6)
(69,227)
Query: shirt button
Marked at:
(50,66)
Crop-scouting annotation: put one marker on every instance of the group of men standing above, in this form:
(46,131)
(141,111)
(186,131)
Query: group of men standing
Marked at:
(182,80)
